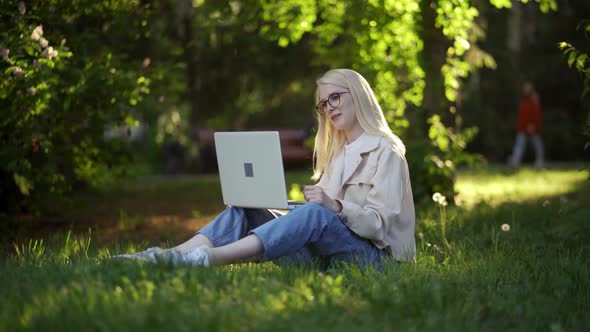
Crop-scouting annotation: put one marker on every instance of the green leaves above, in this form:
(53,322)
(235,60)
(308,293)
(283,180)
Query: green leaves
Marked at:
(545,5)
(575,58)
(24,185)
(580,61)
(56,80)
(436,133)
(379,39)
(502,3)
(287,20)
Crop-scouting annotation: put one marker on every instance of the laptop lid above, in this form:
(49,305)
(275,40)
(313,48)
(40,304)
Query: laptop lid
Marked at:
(251,169)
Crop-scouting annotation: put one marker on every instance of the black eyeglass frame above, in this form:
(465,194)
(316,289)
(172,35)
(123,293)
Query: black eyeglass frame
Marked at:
(321,106)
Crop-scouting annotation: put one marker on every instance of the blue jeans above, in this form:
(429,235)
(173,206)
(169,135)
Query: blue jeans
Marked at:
(520,144)
(307,233)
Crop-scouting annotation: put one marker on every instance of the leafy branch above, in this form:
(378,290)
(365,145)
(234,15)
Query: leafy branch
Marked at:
(581,62)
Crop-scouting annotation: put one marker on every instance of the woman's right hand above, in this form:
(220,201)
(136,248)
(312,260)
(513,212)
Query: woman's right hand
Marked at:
(315,194)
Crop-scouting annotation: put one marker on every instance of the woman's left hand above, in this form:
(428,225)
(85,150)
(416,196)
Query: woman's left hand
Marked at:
(315,194)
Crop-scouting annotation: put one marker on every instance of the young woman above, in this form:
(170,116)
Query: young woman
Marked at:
(360,211)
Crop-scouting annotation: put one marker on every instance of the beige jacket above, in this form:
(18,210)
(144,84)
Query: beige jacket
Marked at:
(376,198)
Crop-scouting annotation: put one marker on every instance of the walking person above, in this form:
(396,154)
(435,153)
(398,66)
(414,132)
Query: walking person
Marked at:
(360,211)
(529,124)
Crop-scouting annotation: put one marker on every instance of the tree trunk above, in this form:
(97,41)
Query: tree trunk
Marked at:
(190,57)
(514,40)
(434,56)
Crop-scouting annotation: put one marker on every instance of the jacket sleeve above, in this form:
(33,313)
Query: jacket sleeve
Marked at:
(383,204)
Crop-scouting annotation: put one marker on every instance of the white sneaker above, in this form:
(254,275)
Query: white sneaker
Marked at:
(199,256)
(148,255)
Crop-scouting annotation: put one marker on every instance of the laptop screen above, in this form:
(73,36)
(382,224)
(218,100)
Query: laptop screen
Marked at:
(251,169)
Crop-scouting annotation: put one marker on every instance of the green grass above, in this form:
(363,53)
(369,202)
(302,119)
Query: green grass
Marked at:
(502,185)
(477,277)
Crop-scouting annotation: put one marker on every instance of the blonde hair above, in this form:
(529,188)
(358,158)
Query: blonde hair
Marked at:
(328,141)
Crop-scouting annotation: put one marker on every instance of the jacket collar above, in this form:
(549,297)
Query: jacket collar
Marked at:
(369,144)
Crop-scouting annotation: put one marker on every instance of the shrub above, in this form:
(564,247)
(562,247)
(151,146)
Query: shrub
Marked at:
(58,96)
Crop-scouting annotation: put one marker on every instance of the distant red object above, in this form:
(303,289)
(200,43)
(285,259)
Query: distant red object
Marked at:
(530,114)
(293,147)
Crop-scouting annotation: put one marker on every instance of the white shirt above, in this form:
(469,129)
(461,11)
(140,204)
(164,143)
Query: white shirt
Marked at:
(351,153)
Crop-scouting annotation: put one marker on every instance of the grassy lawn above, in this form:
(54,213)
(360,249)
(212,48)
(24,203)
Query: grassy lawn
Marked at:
(514,255)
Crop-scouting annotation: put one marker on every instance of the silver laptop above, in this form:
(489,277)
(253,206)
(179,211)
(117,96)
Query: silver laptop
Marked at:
(251,170)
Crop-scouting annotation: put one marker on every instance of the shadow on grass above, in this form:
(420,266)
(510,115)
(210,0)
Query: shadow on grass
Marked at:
(170,209)
(545,238)
(534,276)
(153,209)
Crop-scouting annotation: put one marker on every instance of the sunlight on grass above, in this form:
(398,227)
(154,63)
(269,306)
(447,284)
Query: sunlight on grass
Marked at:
(524,185)
(296,192)
(495,266)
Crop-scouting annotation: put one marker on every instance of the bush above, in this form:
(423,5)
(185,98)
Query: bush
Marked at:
(59,95)
(433,160)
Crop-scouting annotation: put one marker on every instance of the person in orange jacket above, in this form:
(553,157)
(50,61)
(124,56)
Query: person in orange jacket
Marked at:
(529,123)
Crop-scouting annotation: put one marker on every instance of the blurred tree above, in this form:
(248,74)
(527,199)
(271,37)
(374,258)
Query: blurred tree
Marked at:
(65,76)
(490,98)
(384,40)
(581,62)
(180,65)
(231,66)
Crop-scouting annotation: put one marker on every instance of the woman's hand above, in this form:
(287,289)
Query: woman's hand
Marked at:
(315,194)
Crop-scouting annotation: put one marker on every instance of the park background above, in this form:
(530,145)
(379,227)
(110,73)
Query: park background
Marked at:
(102,101)
(91,90)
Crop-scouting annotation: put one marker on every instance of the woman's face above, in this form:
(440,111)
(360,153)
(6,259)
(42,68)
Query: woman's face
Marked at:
(337,107)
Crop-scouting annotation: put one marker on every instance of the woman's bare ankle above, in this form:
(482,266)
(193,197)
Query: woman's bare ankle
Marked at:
(196,241)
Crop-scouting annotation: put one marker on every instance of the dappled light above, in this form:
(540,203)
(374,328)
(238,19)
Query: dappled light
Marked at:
(107,147)
(470,258)
(521,186)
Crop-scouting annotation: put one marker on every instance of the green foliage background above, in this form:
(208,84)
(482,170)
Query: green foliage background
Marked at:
(176,66)
(64,79)
(579,60)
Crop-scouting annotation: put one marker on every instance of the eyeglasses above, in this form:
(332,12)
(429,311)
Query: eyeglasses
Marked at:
(332,100)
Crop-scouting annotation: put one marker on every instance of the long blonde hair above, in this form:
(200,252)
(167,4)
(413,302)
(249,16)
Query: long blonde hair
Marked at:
(328,141)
